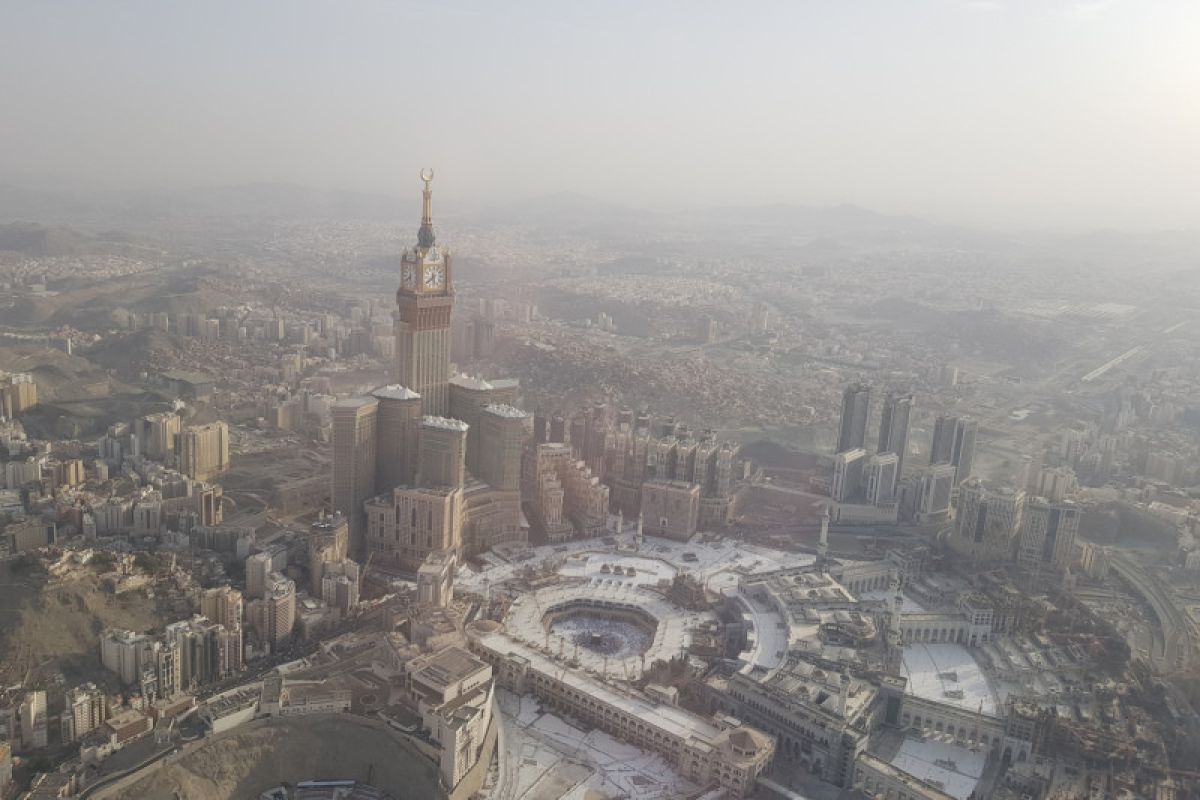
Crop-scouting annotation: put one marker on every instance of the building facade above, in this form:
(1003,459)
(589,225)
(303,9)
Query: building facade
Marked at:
(355,426)
(424,302)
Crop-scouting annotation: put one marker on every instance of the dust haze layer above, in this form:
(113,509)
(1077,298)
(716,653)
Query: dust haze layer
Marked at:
(1055,113)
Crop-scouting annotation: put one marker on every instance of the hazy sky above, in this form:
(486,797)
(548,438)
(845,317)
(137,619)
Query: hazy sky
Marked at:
(1040,111)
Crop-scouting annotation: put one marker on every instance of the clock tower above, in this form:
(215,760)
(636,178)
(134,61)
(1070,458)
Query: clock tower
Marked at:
(424,301)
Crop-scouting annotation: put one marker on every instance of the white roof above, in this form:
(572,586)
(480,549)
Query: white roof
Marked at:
(501,410)
(444,423)
(395,391)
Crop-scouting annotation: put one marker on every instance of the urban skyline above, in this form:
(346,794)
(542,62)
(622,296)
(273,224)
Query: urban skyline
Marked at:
(695,480)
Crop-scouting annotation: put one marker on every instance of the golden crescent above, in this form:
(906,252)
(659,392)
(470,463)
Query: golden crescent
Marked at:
(427,175)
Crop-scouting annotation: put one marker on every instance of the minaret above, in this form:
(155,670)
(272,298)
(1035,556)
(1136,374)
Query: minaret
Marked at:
(620,520)
(897,604)
(823,544)
(895,638)
(638,537)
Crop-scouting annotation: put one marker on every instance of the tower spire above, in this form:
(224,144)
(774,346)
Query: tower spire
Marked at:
(425,237)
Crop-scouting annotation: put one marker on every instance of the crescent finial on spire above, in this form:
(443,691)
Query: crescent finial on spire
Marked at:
(425,237)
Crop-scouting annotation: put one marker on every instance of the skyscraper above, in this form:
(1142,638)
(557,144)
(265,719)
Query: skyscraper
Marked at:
(502,440)
(893,427)
(354,442)
(442,453)
(936,489)
(848,467)
(399,423)
(157,433)
(988,522)
(204,451)
(941,446)
(882,469)
(856,410)
(223,605)
(468,397)
(279,615)
(1048,532)
(954,443)
(424,302)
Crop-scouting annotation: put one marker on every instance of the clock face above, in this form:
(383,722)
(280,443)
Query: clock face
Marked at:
(408,275)
(435,276)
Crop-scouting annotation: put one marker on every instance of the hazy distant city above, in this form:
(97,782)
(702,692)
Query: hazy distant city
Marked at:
(492,494)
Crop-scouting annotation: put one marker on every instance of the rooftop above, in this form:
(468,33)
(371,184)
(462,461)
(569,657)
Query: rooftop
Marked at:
(446,666)
(472,382)
(395,391)
(355,402)
(502,410)
(479,384)
(674,721)
(444,423)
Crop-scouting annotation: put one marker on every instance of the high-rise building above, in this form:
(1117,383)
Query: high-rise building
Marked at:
(223,605)
(563,494)
(501,441)
(259,567)
(558,428)
(541,427)
(893,427)
(469,396)
(988,522)
(882,471)
(442,452)
(424,302)
(355,425)
(1054,483)
(936,491)
(671,508)
(399,422)
(18,393)
(204,451)
(491,517)
(86,710)
(1048,531)
(279,615)
(954,443)
(407,524)
(340,585)
(328,542)
(141,661)
(856,411)
(34,722)
(941,446)
(208,651)
(848,468)
(157,434)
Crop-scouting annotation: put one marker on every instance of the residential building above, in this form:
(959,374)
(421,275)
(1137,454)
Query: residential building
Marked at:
(204,451)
